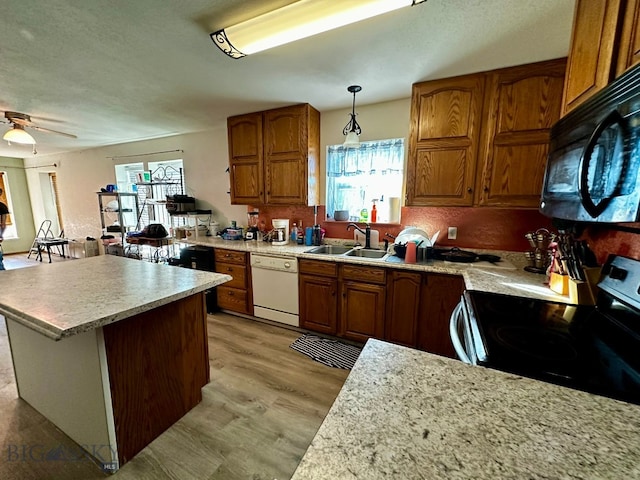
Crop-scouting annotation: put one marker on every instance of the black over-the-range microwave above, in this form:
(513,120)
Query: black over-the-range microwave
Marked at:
(593,169)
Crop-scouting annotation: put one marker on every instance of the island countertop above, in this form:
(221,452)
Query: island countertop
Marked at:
(66,298)
(407,414)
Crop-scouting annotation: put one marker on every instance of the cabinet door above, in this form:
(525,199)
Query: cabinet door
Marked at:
(521,105)
(285,150)
(246,159)
(318,303)
(362,311)
(403,306)
(591,54)
(443,142)
(438,297)
(629,52)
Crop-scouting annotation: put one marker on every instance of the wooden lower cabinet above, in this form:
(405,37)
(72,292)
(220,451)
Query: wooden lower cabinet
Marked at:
(362,311)
(357,303)
(317,293)
(362,302)
(234,295)
(439,294)
(403,307)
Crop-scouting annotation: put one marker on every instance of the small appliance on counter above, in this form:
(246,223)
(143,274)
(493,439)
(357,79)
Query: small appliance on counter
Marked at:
(281,231)
(252,226)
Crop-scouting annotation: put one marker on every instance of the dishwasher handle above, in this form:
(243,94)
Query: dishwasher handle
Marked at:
(455,324)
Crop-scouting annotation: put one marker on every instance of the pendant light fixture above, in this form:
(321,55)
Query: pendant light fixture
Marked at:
(18,135)
(298,20)
(352,130)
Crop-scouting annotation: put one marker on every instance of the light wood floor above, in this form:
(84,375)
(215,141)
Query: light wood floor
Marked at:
(258,415)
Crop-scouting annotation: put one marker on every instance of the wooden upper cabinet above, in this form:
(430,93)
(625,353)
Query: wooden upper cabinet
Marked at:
(482,139)
(521,105)
(629,51)
(246,159)
(592,54)
(443,143)
(274,156)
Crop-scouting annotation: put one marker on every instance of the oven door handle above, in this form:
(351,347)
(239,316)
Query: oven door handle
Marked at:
(457,318)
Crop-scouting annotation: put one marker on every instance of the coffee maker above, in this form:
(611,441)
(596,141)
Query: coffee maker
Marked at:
(281,231)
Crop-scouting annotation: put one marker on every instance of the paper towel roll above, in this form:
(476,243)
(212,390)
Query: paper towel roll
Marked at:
(394,209)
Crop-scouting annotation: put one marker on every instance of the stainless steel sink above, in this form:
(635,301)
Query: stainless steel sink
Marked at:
(329,250)
(366,253)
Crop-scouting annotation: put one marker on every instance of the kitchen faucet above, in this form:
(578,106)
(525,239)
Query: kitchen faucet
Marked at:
(366,232)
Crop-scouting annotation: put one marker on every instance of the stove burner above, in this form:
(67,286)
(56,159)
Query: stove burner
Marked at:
(545,345)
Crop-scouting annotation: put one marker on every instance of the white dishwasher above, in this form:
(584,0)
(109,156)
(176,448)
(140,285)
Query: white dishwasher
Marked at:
(274,280)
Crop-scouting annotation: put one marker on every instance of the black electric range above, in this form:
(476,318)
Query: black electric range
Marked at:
(591,348)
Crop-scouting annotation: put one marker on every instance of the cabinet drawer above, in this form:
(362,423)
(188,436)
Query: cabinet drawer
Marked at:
(233,299)
(314,267)
(230,256)
(368,275)
(238,272)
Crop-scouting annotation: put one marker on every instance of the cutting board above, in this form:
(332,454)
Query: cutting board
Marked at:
(360,238)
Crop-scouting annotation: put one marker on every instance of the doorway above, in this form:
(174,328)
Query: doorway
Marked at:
(50,201)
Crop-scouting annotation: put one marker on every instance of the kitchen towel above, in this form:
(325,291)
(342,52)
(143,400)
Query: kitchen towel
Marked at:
(328,352)
(394,209)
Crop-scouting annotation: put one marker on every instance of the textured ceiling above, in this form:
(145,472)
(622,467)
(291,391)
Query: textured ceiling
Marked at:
(123,70)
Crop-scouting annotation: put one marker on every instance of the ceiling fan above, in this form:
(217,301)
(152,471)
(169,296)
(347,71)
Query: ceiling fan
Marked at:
(18,134)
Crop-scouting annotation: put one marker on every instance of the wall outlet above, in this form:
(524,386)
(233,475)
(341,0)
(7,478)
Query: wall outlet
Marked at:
(452,233)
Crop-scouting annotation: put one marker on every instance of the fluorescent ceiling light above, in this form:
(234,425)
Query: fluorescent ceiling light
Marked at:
(301,19)
(18,135)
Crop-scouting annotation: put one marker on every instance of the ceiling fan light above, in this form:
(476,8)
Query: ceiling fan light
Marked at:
(18,135)
(298,20)
(352,140)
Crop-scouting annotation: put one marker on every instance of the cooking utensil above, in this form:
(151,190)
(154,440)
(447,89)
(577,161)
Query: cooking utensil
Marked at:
(485,257)
(455,255)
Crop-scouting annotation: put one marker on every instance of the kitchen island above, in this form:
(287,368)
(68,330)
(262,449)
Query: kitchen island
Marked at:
(407,414)
(111,350)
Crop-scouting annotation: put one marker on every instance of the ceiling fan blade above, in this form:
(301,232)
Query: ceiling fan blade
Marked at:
(48,130)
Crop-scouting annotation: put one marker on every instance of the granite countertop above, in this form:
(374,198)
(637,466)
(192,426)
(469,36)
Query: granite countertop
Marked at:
(508,281)
(81,295)
(407,414)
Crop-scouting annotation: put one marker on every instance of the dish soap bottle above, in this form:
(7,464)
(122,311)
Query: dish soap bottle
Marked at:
(364,215)
(294,233)
(374,211)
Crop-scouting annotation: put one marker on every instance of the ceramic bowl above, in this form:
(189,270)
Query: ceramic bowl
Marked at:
(341,215)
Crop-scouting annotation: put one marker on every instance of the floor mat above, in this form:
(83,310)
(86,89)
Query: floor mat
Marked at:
(328,352)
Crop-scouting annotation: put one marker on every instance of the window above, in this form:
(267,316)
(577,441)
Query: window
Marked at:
(166,177)
(357,176)
(10,231)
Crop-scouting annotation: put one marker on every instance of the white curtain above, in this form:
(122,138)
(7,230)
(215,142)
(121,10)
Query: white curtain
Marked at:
(356,176)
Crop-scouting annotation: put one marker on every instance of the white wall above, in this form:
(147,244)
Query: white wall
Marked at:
(81,174)
(378,122)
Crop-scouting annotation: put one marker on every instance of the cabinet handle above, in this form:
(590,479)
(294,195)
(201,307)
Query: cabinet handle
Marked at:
(229,269)
(231,294)
(486,189)
(469,189)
